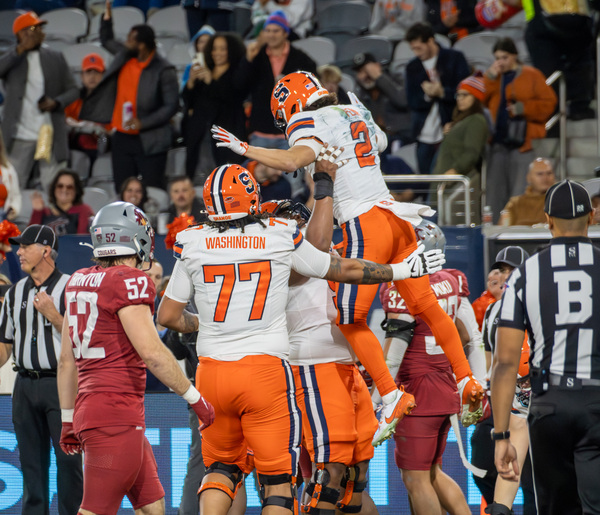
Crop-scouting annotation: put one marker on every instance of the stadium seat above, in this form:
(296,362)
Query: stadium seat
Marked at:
(409,154)
(442,40)
(96,198)
(22,219)
(74,54)
(123,19)
(379,46)
(348,83)
(402,55)
(477,49)
(176,162)
(160,196)
(342,21)
(592,186)
(80,162)
(7,38)
(101,170)
(170,23)
(66,25)
(180,55)
(320,50)
(241,18)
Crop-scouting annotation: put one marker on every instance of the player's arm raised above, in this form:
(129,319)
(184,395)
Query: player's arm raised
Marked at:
(139,327)
(287,160)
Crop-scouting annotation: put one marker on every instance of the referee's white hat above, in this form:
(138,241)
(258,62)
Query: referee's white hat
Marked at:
(567,199)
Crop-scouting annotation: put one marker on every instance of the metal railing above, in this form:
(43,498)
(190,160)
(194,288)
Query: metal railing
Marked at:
(561,118)
(443,180)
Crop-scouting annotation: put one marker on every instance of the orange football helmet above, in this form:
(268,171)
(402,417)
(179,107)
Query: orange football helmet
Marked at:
(292,94)
(230,193)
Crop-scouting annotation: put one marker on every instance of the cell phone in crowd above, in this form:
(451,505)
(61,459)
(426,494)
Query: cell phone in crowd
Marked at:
(199,59)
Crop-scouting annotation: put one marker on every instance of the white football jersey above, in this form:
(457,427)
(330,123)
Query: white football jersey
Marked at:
(314,336)
(359,184)
(240,285)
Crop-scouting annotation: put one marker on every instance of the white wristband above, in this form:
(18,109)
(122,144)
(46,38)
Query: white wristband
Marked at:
(66,415)
(400,271)
(192,396)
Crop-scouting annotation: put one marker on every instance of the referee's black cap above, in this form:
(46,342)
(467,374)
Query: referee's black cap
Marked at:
(567,200)
(41,234)
(513,256)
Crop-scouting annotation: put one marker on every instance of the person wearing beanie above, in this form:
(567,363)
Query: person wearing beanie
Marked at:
(198,43)
(298,15)
(465,136)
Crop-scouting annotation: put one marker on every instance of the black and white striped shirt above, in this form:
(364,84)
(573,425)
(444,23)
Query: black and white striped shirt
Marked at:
(555,296)
(489,327)
(36,342)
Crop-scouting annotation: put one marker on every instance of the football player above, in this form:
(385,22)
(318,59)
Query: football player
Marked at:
(108,339)
(237,267)
(375,226)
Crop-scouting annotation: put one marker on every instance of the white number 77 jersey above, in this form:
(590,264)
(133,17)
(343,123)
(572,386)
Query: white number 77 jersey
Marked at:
(359,184)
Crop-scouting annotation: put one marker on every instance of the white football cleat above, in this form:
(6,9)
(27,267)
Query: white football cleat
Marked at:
(390,414)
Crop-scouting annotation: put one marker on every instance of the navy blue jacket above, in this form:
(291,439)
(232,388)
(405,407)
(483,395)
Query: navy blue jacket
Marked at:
(451,68)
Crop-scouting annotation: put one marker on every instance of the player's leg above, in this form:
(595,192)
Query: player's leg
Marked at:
(155,508)
(505,491)
(448,492)
(224,448)
(147,495)
(272,426)
(423,497)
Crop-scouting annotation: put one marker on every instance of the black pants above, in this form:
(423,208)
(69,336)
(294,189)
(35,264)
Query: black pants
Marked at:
(37,422)
(482,456)
(572,53)
(129,159)
(564,430)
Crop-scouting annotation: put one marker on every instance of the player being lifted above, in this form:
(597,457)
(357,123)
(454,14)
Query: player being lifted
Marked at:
(375,227)
(237,267)
(108,339)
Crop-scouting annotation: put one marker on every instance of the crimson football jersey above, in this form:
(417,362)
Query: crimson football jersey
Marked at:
(425,371)
(112,376)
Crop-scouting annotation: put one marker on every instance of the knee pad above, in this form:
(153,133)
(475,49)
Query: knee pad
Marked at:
(398,328)
(288,503)
(319,491)
(351,485)
(231,472)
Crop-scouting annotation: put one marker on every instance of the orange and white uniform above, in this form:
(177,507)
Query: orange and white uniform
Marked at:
(376,228)
(239,281)
(337,415)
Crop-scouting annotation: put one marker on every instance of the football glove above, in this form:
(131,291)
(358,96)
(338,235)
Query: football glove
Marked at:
(205,412)
(419,263)
(69,443)
(228,140)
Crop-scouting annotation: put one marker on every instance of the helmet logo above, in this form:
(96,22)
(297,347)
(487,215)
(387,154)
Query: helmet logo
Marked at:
(247,182)
(281,92)
(140,218)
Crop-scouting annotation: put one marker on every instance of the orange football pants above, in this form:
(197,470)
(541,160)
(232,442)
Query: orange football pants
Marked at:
(379,235)
(255,407)
(338,422)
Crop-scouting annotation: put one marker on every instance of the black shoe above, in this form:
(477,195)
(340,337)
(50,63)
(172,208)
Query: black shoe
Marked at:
(586,113)
(498,509)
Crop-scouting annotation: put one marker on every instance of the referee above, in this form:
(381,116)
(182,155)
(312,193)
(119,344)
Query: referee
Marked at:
(30,324)
(555,295)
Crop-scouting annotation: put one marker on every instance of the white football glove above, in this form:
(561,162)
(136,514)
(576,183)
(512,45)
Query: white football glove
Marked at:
(331,154)
(419,263)
(228,140)
(354,99)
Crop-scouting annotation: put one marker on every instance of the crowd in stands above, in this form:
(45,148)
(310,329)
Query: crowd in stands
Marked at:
(136,105)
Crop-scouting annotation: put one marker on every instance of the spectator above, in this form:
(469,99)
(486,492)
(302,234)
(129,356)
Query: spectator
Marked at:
(183,199)
(383,96)
(206,12)
(431,81)
(272,185)
(596,206)
(299,14)
(85,136)
(463,147)
(564,41)
(38,85)
(10,193)
(42,6)
(392,19)
(211,97)
(134,191)
(455,19)
(30,326)
(66,214)
(495,282)
(513,92)
(149,7)
(331,78)
(528,208)
(137,96)
(198,43)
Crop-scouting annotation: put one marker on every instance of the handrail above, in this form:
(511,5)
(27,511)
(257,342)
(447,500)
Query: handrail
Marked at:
(561,117)
(598,90)
(442,179)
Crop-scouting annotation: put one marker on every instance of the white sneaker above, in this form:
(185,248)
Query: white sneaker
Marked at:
(390,414)
(470,392)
